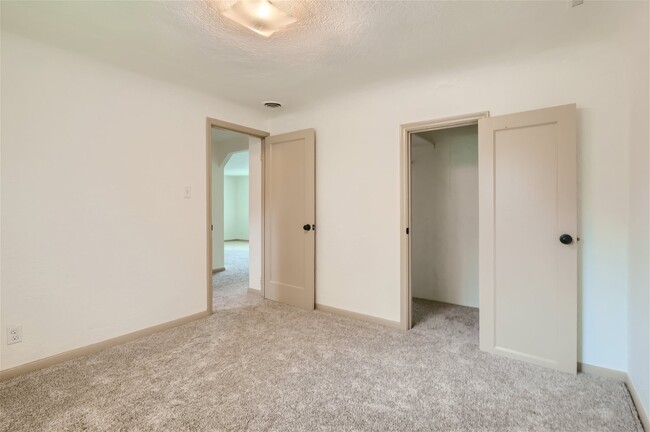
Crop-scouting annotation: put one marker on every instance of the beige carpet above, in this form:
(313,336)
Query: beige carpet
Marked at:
(230,287)
(271,367)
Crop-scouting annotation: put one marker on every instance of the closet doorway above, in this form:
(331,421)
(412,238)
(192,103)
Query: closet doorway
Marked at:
(440,216)
(444,221)
(511,179)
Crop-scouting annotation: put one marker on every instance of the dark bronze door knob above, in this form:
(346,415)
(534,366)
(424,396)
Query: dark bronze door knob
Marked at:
(566,239)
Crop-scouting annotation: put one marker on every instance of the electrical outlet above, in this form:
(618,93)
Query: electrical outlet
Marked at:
(14,334)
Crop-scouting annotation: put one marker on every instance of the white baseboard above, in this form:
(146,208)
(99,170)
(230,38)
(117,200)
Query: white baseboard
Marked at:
(601,371)
(643,414)
(358,316)
(99,346)
(625,378)
(255,291)
(218,270)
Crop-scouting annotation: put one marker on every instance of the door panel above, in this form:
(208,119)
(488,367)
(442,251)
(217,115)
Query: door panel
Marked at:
(527,200)
(289,205)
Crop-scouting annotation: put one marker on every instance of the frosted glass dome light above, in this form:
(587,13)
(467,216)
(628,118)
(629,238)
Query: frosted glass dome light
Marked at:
(259,15)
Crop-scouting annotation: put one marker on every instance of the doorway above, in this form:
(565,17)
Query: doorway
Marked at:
(444,223)
(235,215)
(281,217)
(234,284)
(439,241)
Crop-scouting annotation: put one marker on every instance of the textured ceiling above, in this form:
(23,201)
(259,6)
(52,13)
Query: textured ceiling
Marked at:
(334,47)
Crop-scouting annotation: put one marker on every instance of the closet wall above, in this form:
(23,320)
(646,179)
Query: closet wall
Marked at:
(444,225)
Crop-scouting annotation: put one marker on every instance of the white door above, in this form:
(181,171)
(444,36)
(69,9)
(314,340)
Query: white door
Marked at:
(528,236)
(289,218)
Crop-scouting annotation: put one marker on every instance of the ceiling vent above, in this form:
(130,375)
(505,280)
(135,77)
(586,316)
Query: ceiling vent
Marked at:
(272,104)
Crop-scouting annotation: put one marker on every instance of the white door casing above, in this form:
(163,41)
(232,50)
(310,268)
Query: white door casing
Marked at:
(527,200)
(289,207)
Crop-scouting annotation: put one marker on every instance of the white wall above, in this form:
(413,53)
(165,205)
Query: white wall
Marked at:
(255,213)
(639,232)
(235,207)
(230,225)
(97,239)
(227,145)
(217,206)
(444,216)
(357,256)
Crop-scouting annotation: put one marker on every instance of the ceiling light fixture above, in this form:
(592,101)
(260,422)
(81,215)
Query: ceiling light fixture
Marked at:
(259,15)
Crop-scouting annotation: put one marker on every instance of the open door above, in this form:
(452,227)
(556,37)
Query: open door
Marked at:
(528,236)
(289,218)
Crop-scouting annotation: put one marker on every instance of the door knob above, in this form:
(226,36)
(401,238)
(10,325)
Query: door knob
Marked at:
(306,227)
(566,239)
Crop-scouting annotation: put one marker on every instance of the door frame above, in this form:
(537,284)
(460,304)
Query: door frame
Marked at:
(406,130)
(211,123)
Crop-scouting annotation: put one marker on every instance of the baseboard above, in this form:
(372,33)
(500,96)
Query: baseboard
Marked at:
(358,316)
(238,240)
(643,414)
(255,291)
(219,270)
(601,371)
(625,378)
(96,347)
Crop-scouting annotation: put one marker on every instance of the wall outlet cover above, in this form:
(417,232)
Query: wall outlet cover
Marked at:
(14,334)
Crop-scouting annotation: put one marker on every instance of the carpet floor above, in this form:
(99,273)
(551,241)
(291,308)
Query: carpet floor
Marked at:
(230,287)
(271,367)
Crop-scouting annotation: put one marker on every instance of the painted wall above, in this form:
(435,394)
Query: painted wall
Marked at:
(226,145)
(255,213)
(639,232)
(217,206)
(444,216)
(364,276)
(235,193)
(97,238)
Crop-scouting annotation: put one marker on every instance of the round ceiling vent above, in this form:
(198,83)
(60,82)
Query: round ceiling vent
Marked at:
(272,104)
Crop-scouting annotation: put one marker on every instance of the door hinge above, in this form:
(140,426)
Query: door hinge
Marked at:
(407,231)
(211,227)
